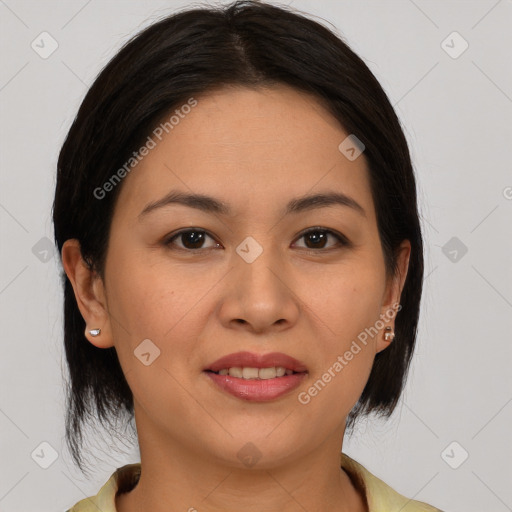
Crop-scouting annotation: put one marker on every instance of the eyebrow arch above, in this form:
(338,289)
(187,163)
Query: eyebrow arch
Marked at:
(211,205)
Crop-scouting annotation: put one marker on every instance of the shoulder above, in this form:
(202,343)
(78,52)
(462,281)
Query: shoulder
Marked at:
(123,479)
(380,496)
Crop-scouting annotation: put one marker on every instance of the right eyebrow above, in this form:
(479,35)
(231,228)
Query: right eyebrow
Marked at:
(199,201)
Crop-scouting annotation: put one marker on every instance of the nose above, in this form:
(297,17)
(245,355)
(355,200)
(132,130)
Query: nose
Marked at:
(259,295)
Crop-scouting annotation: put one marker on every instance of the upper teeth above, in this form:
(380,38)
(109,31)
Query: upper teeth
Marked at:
(256,373)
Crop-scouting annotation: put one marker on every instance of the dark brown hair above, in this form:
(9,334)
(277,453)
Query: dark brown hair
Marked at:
(251,44)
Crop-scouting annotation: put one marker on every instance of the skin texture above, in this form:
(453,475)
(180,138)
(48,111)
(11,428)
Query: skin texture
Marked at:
(254,149)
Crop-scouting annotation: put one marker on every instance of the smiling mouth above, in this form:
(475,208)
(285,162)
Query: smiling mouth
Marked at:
(256,384)
(256,377)
(252,373)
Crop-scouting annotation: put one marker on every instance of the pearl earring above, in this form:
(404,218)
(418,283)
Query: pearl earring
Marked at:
(389,335)
(95,332)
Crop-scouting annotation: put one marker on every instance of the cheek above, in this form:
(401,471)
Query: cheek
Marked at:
(152,304)
(345,301)
(345,352)
(148,302)
(347,307)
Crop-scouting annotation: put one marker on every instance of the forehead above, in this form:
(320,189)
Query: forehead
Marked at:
(247,147)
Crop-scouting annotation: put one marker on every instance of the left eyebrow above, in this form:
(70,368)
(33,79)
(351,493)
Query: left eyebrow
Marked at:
(322,200)
(212,205)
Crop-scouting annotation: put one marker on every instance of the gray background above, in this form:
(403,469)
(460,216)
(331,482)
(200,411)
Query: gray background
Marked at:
(457,114)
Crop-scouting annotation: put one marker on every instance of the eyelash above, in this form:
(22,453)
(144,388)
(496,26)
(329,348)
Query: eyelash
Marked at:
(342,239)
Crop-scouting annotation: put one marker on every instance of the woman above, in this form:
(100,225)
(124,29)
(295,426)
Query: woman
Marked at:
(236,214)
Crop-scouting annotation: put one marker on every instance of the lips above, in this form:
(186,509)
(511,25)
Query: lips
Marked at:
(252,360)
(261,389)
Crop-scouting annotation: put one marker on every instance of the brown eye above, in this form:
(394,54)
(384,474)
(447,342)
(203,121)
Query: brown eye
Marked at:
(190,239)
(317,238)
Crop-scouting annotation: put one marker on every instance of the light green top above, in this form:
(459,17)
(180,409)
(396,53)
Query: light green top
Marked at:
(380,497)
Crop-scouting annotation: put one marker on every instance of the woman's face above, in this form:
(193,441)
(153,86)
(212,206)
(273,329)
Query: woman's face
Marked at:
(246,277)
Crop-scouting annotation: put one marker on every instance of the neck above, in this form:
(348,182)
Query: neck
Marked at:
(190,479)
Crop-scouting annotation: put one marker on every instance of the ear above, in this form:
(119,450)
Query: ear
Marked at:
(393,292)
(89,294)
